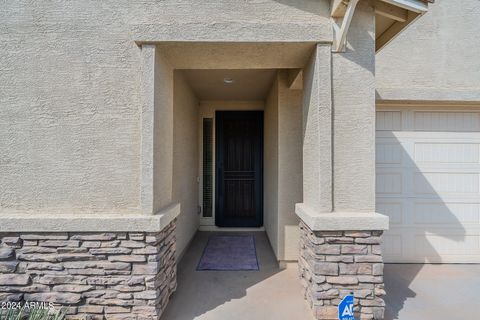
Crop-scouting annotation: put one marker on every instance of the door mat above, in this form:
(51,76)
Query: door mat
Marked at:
(229,253)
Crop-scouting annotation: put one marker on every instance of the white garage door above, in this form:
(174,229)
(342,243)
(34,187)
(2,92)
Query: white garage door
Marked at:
(428,183)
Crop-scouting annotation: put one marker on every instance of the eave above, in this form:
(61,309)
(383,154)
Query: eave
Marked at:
(391,16)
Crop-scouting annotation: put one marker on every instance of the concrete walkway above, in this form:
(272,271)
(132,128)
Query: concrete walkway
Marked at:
(267,294)
(424,292)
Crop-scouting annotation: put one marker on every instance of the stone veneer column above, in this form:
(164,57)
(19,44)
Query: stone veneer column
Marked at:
(333,264)
(94,275)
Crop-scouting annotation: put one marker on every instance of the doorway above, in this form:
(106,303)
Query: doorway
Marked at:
(239,168)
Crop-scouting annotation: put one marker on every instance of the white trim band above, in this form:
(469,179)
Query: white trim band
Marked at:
(341,221)
(89,223)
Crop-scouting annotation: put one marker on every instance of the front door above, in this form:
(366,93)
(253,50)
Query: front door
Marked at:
(239,168)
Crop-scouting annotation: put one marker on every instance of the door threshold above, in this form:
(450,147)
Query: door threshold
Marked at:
(222,229)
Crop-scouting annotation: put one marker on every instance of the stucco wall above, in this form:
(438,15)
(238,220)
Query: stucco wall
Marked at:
(231,20)
(208,108)
(436,58)
(69,109)
(354,117)
(185,160)
(163,132)
(317,130)
(290,177)
(70,98)
(270,168)
(283,167)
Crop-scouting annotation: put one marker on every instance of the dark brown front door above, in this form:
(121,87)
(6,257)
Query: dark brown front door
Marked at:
(239,168)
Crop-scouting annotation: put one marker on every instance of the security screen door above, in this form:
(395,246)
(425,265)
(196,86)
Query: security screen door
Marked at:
(239,168)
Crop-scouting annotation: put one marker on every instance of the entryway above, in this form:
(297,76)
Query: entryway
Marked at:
(243,129)
(254,177)
(233,113)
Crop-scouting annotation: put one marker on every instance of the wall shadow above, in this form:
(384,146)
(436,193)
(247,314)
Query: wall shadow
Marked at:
(399,277)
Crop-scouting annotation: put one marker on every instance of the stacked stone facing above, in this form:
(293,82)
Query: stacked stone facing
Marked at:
(333,264)
(119,275)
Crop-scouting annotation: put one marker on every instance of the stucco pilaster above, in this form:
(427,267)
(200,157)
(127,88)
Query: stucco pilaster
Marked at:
(317,131)
(353,81)
(157,131)
(163,133)
(147,119)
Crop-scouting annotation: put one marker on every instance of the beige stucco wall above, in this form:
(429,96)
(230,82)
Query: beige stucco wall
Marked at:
(185,160)
(71,97)
(69,109)
(436,58)
(317,130)
(290,177)
(270,168)
(208,108)
(231,20)
(283,167)
(353,85)
(163,134)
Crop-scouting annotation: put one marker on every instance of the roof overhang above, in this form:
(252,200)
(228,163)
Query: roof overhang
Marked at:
(391,17)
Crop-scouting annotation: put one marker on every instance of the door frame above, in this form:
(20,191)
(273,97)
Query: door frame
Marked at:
(207,110)
(258,221)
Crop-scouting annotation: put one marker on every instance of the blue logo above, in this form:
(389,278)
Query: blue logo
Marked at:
(345,309)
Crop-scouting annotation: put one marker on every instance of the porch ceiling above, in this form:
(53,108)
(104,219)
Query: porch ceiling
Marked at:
(228,55)
(248,84)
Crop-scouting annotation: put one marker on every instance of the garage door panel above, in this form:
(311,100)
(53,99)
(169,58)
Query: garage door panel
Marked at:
(389,153)
(455,214)
(446,182)
(447,153)
(389,120)
(389,183)
(392,246)
(446,121)
(438,245)
(428,183)
(392,209)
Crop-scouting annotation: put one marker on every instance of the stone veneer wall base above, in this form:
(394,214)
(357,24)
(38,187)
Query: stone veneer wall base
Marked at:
(333,264)
(114,275)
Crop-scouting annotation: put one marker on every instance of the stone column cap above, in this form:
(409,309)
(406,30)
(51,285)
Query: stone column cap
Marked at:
(18,222)
(340,221)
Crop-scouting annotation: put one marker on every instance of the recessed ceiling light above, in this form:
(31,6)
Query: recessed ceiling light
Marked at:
(228,80)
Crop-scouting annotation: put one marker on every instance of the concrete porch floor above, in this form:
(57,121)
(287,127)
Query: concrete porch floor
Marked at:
(269,293)
(414,291)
